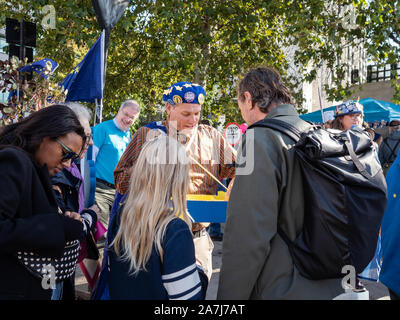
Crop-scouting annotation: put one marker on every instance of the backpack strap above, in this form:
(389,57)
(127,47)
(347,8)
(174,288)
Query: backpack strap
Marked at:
(392,151)
(279,125)
(293,133)
(360,167)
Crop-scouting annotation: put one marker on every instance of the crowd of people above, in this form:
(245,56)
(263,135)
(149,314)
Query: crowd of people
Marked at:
(152,248)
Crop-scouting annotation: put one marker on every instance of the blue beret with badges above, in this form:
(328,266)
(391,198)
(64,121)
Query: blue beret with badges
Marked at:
(184,92)
(348,107)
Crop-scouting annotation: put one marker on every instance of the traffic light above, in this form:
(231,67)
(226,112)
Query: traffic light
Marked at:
(16,39)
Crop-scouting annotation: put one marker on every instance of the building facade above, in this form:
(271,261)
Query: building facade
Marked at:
(3,56)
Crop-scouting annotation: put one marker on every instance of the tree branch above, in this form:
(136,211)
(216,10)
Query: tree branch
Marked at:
(394,38)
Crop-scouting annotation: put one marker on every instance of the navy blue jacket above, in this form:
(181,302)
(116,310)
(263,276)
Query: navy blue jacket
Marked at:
(177,277)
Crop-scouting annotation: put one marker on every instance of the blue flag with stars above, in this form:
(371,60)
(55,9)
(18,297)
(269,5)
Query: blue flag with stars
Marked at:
(40,67)
(390,231)
(86,81)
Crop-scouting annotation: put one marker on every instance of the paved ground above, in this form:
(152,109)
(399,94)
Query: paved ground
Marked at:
(377,291)
(213,285)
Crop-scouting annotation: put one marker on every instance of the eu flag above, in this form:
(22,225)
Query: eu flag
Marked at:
(44,67)
(86,81)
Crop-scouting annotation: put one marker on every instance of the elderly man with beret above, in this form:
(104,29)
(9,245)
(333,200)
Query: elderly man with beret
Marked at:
(210,155)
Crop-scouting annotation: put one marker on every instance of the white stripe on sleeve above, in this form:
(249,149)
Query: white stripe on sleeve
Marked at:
(178,273)
(186,284)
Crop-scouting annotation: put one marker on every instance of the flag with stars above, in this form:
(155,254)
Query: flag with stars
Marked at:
(390,231)
(44,67)
(86,81)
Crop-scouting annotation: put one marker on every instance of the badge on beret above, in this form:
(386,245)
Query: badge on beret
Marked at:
(177,99)
(189,96)
(200,98)
(184,92)
(167,91)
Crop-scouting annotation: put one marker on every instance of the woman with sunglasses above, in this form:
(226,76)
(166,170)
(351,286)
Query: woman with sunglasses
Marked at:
(33,233)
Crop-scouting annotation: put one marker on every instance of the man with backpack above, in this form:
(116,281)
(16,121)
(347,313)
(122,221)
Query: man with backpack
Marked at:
(390,145)
(267,210)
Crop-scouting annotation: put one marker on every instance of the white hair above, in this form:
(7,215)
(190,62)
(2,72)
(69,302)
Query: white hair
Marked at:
(80,110)
(132,103)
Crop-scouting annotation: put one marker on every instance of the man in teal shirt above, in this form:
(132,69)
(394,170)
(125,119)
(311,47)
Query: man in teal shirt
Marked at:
(110,141)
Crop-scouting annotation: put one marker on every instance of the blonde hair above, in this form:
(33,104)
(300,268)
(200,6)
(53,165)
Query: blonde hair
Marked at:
(156,195)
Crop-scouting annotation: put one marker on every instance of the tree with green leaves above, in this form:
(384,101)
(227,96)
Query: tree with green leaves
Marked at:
(379,25)
(159,42)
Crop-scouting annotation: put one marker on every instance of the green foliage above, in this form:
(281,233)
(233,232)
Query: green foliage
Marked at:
(159,42)
(379,23)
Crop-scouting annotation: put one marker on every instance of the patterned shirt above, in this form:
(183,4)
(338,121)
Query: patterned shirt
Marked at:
(207,147)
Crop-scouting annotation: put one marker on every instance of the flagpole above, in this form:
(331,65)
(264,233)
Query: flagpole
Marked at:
(320,106)
(99,109)
(98,115)
(107,13)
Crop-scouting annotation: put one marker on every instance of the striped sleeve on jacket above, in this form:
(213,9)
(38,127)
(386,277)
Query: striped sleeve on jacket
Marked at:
(181,277)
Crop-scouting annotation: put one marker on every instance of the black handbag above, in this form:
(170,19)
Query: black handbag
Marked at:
(64,266)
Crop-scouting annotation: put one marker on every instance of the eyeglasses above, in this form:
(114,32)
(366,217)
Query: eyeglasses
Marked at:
(68,154)
(89,137)
(355,115)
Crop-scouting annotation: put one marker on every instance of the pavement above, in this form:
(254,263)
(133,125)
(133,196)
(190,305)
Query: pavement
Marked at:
(377,291)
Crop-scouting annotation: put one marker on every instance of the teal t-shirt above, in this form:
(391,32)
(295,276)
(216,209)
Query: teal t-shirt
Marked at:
(111,143)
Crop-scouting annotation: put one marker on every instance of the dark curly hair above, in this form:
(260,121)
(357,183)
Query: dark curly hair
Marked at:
(52,122)
(265,86)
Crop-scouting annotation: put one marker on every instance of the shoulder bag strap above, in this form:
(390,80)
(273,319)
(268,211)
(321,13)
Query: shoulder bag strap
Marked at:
(392,151)
(293,133)
(279,125)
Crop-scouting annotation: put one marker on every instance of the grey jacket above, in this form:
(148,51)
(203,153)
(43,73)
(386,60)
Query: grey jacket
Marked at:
(256,263)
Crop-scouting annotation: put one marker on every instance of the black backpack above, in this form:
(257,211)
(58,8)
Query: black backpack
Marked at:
(345,199)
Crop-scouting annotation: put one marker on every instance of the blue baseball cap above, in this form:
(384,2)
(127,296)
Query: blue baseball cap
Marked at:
(184,92)
(348,107)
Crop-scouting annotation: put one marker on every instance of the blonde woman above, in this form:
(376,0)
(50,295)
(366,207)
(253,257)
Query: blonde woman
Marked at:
(151,251)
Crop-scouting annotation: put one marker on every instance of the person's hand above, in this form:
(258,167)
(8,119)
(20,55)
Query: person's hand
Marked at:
(95,208)
(57,189)
(228,192)
(197,226)
(73,215)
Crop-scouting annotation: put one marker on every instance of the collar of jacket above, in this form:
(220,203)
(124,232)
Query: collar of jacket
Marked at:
(65,177)
(282,110)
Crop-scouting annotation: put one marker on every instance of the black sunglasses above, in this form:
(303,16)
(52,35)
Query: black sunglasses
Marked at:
(68,154)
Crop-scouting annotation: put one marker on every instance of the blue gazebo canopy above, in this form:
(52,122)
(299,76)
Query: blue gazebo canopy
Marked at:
(374,110)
